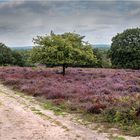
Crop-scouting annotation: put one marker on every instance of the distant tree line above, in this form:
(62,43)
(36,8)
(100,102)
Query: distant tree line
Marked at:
(13,57)
(69,49)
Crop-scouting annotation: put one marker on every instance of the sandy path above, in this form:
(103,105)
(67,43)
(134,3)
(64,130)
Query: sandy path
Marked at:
(19,122)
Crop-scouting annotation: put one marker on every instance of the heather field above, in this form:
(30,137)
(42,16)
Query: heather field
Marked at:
(109,95)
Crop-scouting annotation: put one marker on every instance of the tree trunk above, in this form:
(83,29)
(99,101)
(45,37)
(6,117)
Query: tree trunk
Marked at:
(64,66)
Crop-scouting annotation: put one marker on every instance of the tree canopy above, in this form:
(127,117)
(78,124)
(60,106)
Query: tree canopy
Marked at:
(63,49)
(5,55)
(17,58)
(125,49)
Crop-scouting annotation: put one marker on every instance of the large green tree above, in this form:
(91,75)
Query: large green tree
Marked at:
(125,49)
(63,49)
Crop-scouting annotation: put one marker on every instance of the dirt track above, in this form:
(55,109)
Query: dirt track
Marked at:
(18,121)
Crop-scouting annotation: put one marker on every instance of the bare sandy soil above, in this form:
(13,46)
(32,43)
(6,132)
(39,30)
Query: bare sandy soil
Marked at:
(21,118)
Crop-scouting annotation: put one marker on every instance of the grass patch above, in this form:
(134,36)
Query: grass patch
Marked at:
(116,138)
(58,110)
(37,111)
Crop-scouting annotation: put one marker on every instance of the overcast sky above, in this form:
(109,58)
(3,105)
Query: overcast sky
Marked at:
(20,21)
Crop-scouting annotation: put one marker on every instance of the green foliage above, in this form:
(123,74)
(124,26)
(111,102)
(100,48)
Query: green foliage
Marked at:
(25,55)
(102,57)
(118,138)
(6,57)
(65,49)
(125,49)
(13,57)
(17,58)
(98,56)
(124,118)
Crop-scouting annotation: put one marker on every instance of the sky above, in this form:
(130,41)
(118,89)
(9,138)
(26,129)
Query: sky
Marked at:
(98,21)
